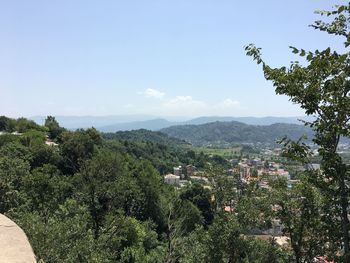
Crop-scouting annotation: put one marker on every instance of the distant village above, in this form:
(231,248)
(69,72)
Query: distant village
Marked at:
(246,171)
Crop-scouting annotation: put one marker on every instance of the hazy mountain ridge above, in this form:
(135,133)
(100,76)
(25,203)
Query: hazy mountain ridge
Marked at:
(153,125)
(268,120)
(115,123)
(75,122)
(223,133)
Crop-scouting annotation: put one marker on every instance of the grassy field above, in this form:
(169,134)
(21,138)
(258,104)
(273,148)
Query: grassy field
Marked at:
(228,153)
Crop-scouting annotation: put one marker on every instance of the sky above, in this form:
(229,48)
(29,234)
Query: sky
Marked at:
(161,58)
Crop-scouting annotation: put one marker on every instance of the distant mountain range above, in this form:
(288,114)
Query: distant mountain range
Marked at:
(135,122)
(251,120)
(233,132)
(153,125)
(75,122)
(201,131)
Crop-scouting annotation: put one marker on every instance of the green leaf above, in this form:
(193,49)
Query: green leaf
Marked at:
(294,50)
(309,56)
(341,9)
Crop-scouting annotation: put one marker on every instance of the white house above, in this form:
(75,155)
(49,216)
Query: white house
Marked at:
(172,179)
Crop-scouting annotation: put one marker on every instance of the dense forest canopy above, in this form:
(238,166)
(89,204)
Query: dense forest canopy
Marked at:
(82,198)
(146,135)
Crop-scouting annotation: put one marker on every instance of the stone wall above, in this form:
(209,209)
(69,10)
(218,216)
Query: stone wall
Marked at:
(14,244)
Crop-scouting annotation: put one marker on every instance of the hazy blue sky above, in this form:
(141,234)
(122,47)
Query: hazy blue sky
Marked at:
(166,58)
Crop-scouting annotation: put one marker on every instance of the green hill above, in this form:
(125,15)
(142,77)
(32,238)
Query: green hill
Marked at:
(229,133)
(143,135)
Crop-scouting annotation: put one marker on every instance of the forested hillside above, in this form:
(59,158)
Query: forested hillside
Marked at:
(82,198)
(228,133)
(145,136)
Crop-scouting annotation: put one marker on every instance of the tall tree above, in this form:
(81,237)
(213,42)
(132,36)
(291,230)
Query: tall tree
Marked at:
(321,86)
(298,211)
(77,147)
(7,124)
(96,182)
(54,128)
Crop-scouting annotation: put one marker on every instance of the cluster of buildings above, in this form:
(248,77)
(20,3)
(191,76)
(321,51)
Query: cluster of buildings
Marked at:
(248,170)
(182,176)
(254,168)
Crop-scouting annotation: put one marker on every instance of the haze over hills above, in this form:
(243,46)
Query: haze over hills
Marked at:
(268,120)
(229,133)
(153,125)
(115,123)
(75,122)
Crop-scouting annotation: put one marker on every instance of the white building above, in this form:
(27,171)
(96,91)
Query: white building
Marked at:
(244,170)
(172,179)
(177,170)
(50,143)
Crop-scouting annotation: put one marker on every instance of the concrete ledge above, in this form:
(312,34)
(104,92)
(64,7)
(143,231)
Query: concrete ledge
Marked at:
(14,244)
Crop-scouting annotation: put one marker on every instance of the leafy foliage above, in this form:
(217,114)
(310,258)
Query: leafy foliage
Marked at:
(89,199)
(143,135)
(321,86)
